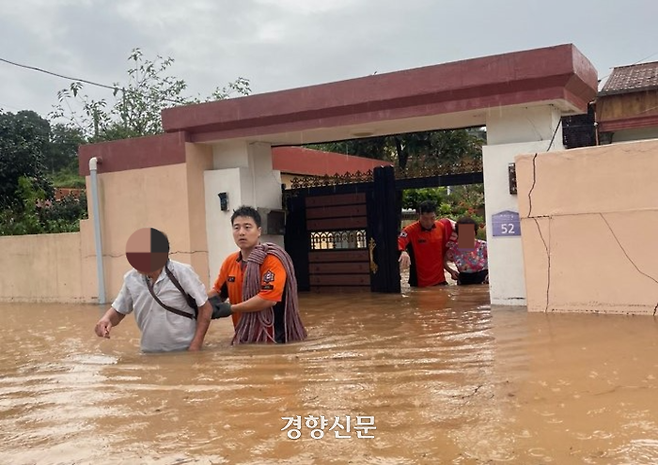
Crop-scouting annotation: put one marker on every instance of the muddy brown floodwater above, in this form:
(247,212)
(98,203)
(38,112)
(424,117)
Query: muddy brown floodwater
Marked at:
(444,378)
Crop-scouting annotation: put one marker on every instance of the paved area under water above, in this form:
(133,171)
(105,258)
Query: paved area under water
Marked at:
(446,380)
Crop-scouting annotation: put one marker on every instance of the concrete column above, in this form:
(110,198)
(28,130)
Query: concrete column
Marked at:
(511,132)
(244,172)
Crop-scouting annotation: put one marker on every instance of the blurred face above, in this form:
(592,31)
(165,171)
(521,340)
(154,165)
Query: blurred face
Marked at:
(245,232)
(147,250)
(466,236)
(427,220)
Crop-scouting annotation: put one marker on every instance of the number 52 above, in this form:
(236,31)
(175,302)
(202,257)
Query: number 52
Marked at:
(507,228)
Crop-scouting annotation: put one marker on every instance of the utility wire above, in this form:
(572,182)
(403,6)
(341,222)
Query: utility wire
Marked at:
(34,68)
(86,81)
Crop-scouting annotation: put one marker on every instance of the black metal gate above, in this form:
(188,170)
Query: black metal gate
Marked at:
(343,236)
(339,237)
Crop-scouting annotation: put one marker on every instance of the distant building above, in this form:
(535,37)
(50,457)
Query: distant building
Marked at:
(61,192)
(627,106)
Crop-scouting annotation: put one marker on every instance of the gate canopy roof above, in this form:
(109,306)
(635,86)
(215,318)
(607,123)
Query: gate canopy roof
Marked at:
(446,96)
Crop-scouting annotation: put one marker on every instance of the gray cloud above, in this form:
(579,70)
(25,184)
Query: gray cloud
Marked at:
(280,44)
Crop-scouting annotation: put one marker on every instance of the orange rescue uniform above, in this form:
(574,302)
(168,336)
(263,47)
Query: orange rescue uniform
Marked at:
(272,285)
(426,247)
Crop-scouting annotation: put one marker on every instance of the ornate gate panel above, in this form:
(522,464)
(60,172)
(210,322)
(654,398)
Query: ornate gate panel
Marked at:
(338,258)
(341,232)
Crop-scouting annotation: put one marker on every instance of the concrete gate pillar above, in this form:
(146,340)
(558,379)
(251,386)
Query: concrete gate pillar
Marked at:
(510,132)
(243,172)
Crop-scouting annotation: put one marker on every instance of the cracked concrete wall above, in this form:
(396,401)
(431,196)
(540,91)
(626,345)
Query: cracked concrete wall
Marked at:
(589,222)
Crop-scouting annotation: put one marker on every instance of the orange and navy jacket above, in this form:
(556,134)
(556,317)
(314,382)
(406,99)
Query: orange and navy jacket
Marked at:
(231,276)
(427,248)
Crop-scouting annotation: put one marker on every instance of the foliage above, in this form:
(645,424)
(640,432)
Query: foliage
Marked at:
(137,105)
(63,215)
(36,155)
(468,201)
(462,201)
(61,153)
(23,220)
(28,144)
(427,149)
(38,215)
(414,150)
(413,197)
(24,138)
(470,198)
(67,178)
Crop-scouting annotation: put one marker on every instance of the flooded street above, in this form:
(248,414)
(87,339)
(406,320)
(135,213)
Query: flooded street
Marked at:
(445,379)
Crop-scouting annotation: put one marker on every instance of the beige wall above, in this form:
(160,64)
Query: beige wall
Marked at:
(41,268)
(589,240)
(62,267)
(169,198)
(130,200)
(49,267)
(199,159)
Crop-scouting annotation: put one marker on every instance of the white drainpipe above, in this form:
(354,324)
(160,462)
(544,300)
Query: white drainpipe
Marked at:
(100,271)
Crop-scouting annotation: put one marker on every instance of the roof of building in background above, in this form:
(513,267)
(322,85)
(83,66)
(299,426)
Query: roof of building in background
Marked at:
(303,161)
(61,192)
(632,78)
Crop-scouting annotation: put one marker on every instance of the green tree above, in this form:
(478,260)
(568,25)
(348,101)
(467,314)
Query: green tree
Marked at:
(61,158)
(411,198)
(62,150)
(468,199)
(413,150)
(68,178)
(31,148)
(23,219)
(24,139)
(137,104)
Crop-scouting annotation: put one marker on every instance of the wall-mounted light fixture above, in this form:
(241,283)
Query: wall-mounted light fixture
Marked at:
(223,201)
(511,177)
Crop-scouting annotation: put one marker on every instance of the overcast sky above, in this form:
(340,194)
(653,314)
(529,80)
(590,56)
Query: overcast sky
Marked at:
(282,44)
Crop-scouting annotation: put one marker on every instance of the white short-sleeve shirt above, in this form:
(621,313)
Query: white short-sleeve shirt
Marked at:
(162,330)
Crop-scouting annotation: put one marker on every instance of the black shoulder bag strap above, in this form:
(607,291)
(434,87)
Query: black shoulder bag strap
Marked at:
(190,300)
(167,307)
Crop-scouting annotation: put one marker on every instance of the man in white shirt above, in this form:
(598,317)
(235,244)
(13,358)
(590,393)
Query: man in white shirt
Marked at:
(163,313)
